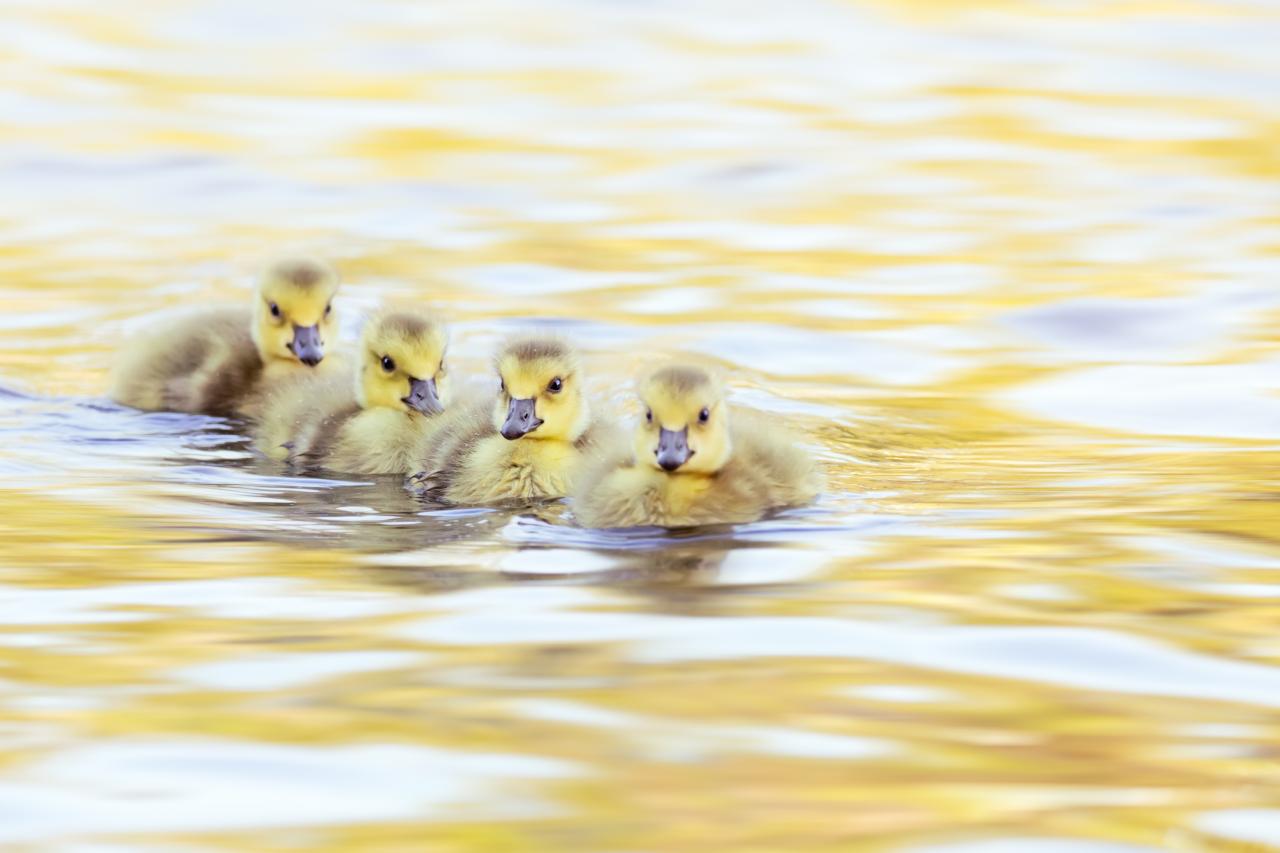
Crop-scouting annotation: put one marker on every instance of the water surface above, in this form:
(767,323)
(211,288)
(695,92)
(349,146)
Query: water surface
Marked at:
(1012,269)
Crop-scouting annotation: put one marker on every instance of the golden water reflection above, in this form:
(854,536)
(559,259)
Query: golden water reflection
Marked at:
(1011,267)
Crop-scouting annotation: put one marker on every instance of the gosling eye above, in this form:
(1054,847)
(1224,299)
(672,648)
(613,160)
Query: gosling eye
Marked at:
(275,309)
(502,386)
(388,363)
(556,385)
(704,416)
(328,309)
(648,415)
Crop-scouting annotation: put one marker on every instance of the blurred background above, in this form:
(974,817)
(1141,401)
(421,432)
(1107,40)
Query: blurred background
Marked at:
(1012,268)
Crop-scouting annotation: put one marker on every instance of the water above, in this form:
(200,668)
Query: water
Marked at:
(1012,268)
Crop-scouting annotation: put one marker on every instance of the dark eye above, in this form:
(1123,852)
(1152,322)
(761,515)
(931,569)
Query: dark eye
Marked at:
(502,386)
(327,309)
(556,385)
(388,363)
(704,416)
(275,309)
(648,416)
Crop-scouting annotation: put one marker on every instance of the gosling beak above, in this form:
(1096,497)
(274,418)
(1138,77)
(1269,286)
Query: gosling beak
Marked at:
(306,345)
(673,449)
(423,397)
(521,419)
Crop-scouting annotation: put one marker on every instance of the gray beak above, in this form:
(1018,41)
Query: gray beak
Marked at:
(306,345)
(673,449)
(521,419)
(423,397)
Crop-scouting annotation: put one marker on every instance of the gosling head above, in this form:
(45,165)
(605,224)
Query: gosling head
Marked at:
(540,394)
(293,311)
(685,427)
(402,362)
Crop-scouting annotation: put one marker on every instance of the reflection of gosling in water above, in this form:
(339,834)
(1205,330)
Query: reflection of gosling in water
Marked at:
(219,361)
(527,444)
(695,461)
(374,423)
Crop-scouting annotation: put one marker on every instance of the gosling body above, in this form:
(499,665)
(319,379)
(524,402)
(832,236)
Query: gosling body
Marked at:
(694,461)
(528,443)
(222,361)
(371,420)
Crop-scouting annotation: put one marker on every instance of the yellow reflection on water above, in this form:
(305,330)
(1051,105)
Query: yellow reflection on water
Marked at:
(1011,267)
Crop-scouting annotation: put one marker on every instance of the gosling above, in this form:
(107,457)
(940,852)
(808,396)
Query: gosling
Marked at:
(222,361)
(372,422)
(695,460)
(526,444)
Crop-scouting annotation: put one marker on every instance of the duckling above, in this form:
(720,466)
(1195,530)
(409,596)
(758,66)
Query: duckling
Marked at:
(219,361)
(372,422)
(695,460)
(526,444)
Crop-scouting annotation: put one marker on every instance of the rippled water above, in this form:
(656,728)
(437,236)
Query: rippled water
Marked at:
(1012,267)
